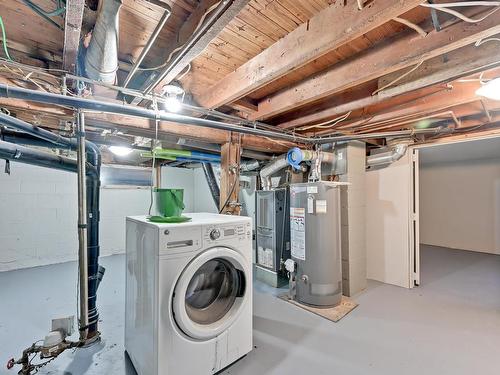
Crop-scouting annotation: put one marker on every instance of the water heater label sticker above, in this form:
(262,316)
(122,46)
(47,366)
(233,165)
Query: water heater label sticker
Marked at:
(298,232)
(312,190)
(320,207)
(310,204)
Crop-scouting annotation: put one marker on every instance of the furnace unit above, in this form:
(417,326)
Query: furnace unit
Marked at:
(272,235)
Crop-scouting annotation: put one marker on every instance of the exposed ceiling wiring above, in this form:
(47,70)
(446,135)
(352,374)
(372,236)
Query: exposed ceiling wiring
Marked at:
(4,40)
(398,78)
(445,7)
(327,124)
(411,25)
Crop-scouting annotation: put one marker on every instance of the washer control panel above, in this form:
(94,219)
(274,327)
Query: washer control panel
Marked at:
(227,232)
(214,234)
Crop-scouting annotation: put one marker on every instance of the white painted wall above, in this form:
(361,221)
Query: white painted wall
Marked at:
(460,204)
(388,210)
(38,216)
(38,213)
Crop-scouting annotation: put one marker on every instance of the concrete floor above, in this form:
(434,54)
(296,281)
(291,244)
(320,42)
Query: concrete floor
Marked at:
(448,325)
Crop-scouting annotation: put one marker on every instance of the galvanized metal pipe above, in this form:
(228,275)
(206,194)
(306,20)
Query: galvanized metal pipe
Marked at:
(187,45)
(26,155)
(82,227)
(149,44)
(127,110)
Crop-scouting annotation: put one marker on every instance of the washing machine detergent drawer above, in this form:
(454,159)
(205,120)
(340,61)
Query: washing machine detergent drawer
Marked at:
(180,240)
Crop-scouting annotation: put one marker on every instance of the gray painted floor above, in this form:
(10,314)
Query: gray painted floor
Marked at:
(449,325)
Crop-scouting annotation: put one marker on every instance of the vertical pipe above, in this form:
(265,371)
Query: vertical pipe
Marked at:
(82,226)
(212,182)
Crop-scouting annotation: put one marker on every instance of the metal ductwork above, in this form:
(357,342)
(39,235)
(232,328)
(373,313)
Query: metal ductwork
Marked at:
(250,165)
(101,59)
(270,169)
(381,159)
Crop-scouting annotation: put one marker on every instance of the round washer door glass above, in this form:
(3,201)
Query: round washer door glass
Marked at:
(212,291)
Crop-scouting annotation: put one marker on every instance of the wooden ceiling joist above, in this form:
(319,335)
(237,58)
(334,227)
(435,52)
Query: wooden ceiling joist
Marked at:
(333,27)
(72,30)
(459,63)
(188,51)
(403,52)
(458,94)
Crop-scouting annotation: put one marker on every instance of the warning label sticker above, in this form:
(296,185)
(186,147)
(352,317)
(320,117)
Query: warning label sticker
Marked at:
(298,232)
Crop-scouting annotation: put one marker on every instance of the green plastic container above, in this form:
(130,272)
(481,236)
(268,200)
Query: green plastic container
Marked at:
(169,202)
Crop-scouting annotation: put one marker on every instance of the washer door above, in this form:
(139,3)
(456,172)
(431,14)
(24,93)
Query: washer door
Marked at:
(209,293)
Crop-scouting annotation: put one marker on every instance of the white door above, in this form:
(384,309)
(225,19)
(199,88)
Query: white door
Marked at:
(210,293)
(392,222)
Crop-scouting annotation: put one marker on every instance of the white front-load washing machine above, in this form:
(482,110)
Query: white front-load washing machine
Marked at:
(188,306)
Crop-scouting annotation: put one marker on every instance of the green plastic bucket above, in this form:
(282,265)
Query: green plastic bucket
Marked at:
(169,202)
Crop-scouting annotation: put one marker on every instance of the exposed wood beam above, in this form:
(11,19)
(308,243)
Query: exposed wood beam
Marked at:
(400,53)
(191,45)
(460,94)
(229,179)
(72,29)
(333,27)
(460,63)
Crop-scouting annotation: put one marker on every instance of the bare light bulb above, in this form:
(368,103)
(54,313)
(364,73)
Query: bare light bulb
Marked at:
(120,150)
(172,104)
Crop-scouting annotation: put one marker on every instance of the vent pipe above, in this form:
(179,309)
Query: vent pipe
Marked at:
(101,60)
(381,159)
(273,167)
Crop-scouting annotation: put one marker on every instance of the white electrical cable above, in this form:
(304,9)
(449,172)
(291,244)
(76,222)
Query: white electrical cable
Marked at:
(482,41)
(327,124)
(398,78)
(464,4)
(411,25)
(445,8)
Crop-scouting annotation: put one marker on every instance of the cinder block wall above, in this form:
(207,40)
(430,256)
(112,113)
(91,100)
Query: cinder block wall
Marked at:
(353,221)
(38,216)
(38,213)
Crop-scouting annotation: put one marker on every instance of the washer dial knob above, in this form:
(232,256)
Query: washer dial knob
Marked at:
(214,234)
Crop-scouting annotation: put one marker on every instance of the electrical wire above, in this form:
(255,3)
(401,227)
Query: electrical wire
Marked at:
(482,41)
(4,40)
(445,8)
(327,124)
(56,12)
(411,25)
(398,78)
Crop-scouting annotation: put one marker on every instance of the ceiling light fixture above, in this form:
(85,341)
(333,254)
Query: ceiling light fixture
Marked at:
(174,96)
(490,90)
(120,150)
